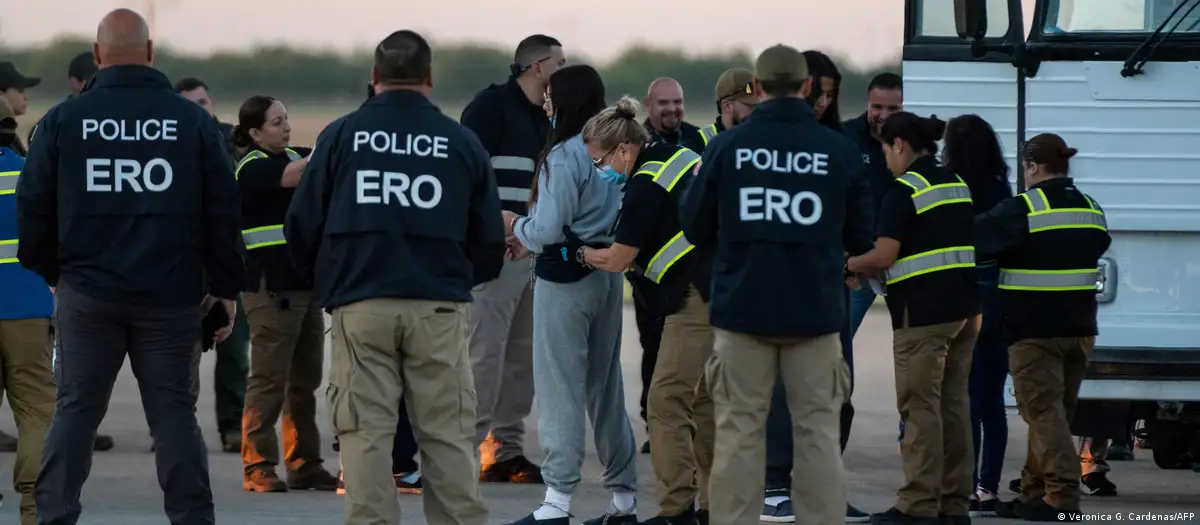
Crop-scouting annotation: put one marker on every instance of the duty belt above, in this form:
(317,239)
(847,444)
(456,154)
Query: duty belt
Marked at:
(8,182)
(1043,217)
(928,196)
(667,175)
(8,251)
(931,261)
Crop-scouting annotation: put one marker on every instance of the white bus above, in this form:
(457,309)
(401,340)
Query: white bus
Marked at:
(1120,81)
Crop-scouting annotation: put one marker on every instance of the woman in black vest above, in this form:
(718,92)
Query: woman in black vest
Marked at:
(287,330)
(925,253)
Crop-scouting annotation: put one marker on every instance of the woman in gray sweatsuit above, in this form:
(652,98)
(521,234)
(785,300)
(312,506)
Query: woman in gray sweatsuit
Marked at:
(577,310)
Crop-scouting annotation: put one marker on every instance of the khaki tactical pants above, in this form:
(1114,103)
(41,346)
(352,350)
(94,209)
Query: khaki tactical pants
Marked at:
(933,366)
(742,373)
(680,410)
(1046,377)
(287,358)
(385,350)
(27,377)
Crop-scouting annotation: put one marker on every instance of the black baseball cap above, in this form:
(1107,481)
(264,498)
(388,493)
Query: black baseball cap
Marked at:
(11,77)
(82,67)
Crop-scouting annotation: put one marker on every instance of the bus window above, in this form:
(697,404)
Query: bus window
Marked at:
(1117,16)
(936,18)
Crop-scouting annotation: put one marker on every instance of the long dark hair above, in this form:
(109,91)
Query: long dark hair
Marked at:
(252,115)
(820,65)
(577,93)
(972,151)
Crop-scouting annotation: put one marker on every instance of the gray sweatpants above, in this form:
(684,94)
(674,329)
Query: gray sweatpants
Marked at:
(577,369)
(501,357)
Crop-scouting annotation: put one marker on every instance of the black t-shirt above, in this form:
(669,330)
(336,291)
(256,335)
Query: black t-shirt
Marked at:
(265,203)
(650,218)
(940,297)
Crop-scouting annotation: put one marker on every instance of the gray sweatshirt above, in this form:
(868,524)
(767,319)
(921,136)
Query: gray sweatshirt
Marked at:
(570,192)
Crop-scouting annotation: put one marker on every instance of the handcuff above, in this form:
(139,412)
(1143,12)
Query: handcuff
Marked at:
(579,258)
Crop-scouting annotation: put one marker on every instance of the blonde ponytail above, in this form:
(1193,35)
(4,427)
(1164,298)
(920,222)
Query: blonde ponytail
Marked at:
(616,125)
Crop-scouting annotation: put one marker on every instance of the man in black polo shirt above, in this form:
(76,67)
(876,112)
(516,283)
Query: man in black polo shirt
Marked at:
(511,124)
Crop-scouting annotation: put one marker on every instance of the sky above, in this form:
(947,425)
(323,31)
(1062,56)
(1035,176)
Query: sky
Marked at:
(862,32)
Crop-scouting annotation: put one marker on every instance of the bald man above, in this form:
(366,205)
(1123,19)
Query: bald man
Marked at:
(136,175)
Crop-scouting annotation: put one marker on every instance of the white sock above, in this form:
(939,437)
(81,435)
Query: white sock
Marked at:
(624,503)
(556,505)
(775,501)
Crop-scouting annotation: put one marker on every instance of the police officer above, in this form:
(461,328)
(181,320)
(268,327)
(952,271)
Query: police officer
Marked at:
(783,192)
(398,208)
(1048,242)
(510,122)
(735,102)
(127,203)
(287,329)
(924,250)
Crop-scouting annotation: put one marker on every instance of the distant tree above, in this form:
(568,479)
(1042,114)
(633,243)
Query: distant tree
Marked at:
(460,71)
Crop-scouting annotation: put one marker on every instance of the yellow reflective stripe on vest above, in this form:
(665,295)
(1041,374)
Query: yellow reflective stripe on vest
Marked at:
(931,261)
(8,182)
(256,154)
(928,196)
(253,155)
(674,168)
(708,133)
(1043,217)
(670,254)
(8,251)
(263,236)
(1050,280)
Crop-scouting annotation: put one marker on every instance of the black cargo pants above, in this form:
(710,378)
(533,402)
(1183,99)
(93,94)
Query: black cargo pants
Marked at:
(93,339)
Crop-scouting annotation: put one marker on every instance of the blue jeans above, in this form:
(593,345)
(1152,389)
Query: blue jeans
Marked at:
(779,420)
(989,369)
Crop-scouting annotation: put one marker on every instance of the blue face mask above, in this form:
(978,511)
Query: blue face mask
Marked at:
(553,121)
(611,175)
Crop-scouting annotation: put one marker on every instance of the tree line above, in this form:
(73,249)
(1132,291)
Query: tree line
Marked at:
(460,71)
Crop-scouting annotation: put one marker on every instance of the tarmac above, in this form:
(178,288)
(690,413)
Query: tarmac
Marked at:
(123,488)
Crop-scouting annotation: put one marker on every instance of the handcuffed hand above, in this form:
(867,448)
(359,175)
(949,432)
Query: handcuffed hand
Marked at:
(514,250)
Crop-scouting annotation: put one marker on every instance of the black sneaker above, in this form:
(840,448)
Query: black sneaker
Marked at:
(1015,485)
(702,517)
(645,447)
(687,518)
(530,520)
(516,470)
(955,520)
(610,519)
(894,516)
(103,443)
(1040,511)
(312,478)
(853,515)
(408,482)
(1097,484)
(781,513)
(983,505)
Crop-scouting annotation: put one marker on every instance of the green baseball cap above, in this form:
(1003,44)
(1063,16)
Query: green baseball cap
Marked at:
(780,63)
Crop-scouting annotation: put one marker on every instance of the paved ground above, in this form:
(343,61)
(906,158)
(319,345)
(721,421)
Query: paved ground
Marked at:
(123,489)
